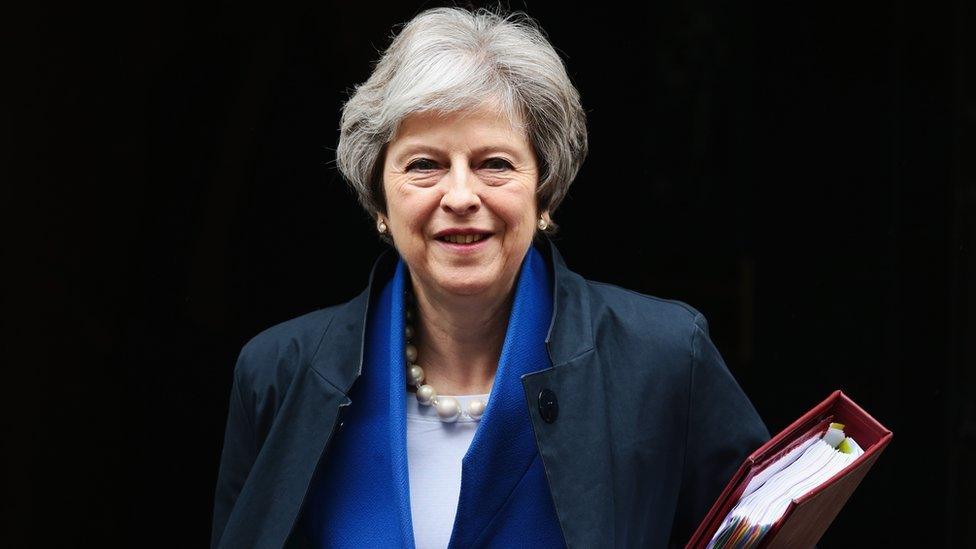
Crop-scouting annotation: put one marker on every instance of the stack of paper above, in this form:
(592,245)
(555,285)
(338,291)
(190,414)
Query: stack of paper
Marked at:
(770,492)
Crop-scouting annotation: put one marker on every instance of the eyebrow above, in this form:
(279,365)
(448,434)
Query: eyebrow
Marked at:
(414,148)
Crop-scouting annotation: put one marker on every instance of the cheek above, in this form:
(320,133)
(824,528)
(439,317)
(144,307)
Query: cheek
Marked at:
(519,211)
(411,211)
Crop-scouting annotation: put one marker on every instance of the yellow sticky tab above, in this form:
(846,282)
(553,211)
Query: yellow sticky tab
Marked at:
(845,446)
(837,426)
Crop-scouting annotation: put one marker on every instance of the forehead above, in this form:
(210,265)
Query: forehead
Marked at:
(482,123)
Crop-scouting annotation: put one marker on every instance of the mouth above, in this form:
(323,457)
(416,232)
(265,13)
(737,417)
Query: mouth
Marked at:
(464,239)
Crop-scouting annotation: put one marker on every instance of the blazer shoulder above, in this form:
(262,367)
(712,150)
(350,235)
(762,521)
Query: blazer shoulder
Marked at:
(635,311)
(633,327)
(274,355)
(297,332)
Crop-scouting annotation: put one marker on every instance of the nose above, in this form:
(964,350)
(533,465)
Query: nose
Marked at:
(460,196)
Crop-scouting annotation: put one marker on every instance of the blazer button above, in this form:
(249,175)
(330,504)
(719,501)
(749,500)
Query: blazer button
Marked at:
(548,405)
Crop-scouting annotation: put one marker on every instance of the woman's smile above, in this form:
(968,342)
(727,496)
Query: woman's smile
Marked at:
(465,242)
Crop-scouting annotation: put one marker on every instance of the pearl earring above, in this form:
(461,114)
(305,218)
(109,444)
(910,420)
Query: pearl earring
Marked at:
(381,227)
(543,224)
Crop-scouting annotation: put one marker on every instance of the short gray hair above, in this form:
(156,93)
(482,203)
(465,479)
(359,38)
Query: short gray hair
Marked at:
(450,59)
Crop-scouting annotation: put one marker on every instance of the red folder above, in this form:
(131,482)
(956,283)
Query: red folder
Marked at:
(807,517)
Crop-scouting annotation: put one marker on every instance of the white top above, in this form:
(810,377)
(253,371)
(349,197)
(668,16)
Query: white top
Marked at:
(434,453)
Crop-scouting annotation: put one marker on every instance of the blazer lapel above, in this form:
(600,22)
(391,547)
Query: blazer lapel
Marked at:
(269,505)
(575,447)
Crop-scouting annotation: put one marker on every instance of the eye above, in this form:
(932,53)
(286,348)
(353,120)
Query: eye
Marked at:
(422,164)
(497,164)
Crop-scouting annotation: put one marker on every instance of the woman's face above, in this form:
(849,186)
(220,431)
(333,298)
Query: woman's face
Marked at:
(454,177)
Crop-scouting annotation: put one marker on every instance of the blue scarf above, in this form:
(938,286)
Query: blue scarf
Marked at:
(361,497)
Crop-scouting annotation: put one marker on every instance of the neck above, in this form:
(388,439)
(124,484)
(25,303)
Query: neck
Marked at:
(459,339)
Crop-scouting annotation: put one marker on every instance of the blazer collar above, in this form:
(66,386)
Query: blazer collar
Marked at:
(570,331)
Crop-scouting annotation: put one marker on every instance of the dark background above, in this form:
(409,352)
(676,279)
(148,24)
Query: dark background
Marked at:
(803,174)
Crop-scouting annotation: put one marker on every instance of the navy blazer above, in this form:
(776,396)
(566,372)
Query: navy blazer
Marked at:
(650,426)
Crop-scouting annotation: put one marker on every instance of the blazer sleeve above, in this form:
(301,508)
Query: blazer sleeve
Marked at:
(723,429)
(237,456)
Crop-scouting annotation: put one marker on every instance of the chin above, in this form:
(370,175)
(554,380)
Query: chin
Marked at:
(464,287)
(466,281)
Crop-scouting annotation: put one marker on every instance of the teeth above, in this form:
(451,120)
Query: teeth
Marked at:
(463,238)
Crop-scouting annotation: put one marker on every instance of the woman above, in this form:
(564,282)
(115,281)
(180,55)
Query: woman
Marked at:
(478,392)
